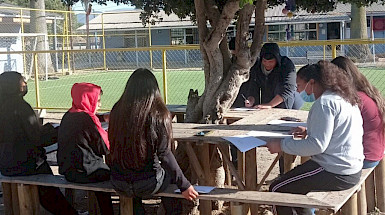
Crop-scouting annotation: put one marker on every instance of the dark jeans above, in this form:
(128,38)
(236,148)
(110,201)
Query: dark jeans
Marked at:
(146,188)
(310,177)
(51,198)
(104,199)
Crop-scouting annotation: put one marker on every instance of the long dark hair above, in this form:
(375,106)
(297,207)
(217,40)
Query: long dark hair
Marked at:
(137,120)
(332,78)
(361,83)
(10,83)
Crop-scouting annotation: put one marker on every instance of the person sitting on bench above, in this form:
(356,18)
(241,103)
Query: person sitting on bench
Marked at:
(372,111)
(82,142)
(333,137)
(22,141)
(140,134)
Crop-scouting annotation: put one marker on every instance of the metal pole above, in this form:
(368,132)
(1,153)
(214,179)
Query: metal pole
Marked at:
(55,44)
(164,68)
(46,56)
(36,81)
(104,46)
(334,51)
(150,43)
(23,43)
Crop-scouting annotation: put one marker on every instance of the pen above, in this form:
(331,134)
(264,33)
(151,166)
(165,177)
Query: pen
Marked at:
(243,96)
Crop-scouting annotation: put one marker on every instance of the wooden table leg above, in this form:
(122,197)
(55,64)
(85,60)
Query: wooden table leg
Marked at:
(350,207)
(370,192)
(379,174)
(15,199)
(289,161)
(27,202)
(226,159)
(361,201)
(241,164)
(251,175)
(204,158)
(7,198)
(126,205)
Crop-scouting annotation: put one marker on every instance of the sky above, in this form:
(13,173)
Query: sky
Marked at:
(103,8)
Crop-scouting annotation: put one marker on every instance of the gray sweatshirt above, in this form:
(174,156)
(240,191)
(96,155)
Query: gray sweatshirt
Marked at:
(334,141)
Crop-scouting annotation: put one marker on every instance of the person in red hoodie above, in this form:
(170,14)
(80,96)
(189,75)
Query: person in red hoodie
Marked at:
(83,143)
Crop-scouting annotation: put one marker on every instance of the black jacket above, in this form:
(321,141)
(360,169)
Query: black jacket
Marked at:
(281,81)
(80,146)
(21,145)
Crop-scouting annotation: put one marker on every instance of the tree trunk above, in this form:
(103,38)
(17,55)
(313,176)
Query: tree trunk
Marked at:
(358,30)
(39,25)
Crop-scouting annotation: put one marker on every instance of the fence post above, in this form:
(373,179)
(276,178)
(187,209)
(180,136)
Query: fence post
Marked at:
(334,51)
(164,68)
(36,81)
(104,45)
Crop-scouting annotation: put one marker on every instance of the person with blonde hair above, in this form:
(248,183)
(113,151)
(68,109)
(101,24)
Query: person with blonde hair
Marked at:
(372,108)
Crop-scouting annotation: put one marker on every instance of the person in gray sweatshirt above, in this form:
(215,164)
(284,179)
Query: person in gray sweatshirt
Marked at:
(333,137)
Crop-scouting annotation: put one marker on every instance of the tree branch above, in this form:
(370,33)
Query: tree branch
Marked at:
(259,29)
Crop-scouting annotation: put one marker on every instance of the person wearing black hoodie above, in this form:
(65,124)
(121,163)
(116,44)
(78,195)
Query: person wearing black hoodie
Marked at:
(22,139)
(272,82)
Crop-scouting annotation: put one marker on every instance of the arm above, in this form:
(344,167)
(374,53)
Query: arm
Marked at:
(30,123)
(289,80)
(319,133)
(274,102)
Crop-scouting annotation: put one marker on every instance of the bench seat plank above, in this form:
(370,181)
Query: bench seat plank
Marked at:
(338,198)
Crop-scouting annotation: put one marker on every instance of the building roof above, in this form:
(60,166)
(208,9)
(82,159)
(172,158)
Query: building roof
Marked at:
(9,10)
(130,20)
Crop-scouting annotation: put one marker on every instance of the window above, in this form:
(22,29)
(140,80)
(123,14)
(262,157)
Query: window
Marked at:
(141,39)
(192,36)
(302,31)
(177,36)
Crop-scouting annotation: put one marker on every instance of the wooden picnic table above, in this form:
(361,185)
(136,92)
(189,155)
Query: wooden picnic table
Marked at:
(256,120)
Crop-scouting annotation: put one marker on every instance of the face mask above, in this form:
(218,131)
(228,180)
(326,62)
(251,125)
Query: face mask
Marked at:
(25,90)
(306,97)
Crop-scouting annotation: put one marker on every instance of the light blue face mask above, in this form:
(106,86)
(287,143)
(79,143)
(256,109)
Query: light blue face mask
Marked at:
(305,96)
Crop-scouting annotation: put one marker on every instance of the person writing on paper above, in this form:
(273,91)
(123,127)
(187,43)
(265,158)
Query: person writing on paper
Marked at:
(140,134)
(83,142)
(271,82)
(372,111)
(22,141)
(333,137)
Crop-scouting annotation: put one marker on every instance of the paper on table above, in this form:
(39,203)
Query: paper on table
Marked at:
(200,189)
(286,123)
(269,134)
(245,142)
(244,109)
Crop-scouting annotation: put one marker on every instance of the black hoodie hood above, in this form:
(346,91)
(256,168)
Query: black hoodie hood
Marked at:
(10,85)
(271,49)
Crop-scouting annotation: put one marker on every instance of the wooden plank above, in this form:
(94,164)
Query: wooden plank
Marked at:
(268,171)
(380,184)
(15,199)
(289,163)
(7,198)
(194,161)
(126,205)
(25,200)
(350,208)
(226,159)
(204,158)
(336,199)
(251,175)
(254,197)
(370,193)
(361,201)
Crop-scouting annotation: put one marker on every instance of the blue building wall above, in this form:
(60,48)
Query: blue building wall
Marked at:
(114,42)
(160,37)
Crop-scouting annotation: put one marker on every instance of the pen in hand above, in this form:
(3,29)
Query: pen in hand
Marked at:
(243,96)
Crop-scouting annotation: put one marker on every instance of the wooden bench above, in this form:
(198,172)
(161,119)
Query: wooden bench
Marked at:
(26,194)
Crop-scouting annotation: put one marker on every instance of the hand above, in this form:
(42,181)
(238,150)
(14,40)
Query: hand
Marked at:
(249,102)
(263,106)
(106,117)
(274,146)
(299,132)
(190,193)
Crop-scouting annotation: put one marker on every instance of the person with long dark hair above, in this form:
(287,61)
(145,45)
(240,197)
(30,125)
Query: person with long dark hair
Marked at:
(140,134)
(372,108)
(82,142)
(333,137)
(22,139)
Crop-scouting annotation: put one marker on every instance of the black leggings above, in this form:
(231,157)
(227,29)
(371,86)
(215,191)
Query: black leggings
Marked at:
(104,199)
(310,177)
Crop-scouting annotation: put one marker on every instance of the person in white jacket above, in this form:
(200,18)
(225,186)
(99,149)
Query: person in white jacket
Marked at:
(333,137)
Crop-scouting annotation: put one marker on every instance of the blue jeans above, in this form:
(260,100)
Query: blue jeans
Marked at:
(370,164)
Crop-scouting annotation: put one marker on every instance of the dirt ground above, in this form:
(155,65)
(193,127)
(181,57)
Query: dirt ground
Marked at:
(264,159)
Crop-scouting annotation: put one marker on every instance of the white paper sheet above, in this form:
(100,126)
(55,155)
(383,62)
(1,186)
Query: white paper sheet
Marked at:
(200,189)
(280,134)
(286,123)
(245,142)
(244,109)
